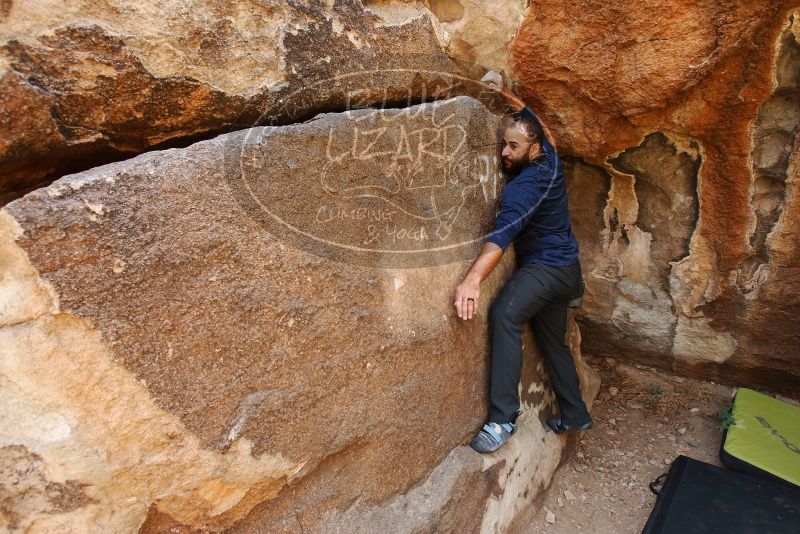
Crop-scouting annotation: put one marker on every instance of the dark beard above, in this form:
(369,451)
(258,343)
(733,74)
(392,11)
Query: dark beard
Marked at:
(512,172)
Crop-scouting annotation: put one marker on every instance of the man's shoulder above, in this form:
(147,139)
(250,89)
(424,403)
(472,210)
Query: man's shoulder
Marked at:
(541,168)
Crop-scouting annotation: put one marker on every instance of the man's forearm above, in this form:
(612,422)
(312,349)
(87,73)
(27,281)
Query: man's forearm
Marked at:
(515,101)
(484,264)
(468,291)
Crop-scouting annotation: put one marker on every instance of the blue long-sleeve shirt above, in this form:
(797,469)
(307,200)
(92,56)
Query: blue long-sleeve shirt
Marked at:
(534,212)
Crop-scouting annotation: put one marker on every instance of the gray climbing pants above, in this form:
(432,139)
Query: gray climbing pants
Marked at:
(538,293)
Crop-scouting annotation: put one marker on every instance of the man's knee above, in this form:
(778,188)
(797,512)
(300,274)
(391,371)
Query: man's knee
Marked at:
(502,314)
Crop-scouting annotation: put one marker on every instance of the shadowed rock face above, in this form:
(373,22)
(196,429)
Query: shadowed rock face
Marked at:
(666,189)
(172,362)
(764,300)
(689,119)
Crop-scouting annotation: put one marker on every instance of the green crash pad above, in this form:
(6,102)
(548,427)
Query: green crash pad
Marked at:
(764,438)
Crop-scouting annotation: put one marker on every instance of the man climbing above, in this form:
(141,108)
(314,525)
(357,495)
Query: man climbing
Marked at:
(533,215)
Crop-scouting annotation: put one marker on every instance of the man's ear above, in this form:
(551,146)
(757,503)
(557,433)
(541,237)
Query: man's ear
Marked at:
(533,150)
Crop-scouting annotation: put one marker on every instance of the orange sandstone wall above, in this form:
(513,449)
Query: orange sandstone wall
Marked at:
(681,122)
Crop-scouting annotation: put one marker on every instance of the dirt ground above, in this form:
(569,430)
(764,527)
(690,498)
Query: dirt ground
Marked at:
(643,419)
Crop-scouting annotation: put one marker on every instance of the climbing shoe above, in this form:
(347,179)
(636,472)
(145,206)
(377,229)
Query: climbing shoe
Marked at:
(558,426)
(493,435)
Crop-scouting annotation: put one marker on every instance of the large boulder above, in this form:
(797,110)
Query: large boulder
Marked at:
(213,337)
(682,125)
